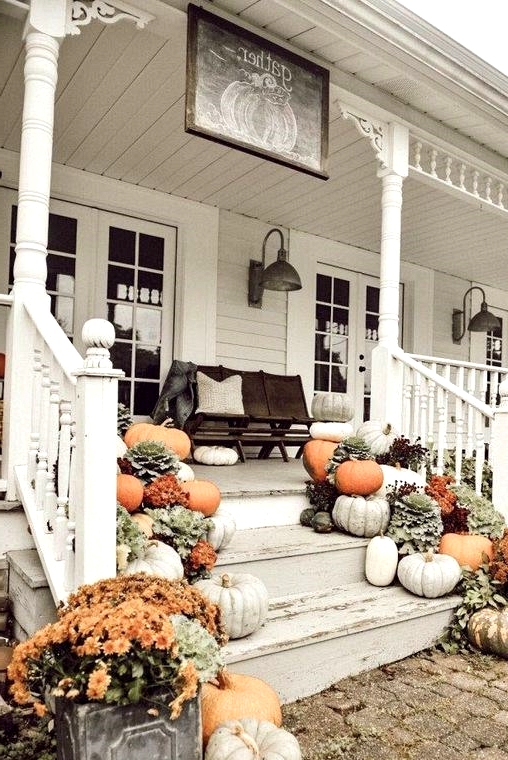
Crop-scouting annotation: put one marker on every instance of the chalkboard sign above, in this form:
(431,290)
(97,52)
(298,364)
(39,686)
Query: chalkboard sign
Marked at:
(245,91)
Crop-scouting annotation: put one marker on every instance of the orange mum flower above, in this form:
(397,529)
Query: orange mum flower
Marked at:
(98,683)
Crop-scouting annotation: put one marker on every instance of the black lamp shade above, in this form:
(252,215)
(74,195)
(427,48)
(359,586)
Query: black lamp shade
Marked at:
(484,321)
(281,276)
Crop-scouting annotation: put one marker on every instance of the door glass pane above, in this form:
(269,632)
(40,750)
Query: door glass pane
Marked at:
(493,357)
(331,345)
(135,308)
(61,266)
(371,337)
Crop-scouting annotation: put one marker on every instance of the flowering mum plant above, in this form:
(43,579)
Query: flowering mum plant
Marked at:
(122,641)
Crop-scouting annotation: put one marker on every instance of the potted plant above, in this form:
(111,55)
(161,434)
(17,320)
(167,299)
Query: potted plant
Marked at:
(121,669)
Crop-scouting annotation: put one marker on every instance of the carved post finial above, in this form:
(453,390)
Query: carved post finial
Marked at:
(98,336)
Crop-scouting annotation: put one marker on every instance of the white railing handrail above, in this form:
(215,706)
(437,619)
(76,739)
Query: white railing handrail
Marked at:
(65,353)
(457,363)
(442,382)
(6,299)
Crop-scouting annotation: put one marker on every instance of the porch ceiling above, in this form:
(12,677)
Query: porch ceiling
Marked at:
(120,113)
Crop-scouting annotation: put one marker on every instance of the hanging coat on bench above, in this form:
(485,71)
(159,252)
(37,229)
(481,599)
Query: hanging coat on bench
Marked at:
(176,400)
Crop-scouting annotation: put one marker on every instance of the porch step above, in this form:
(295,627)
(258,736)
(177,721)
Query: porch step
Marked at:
(312,640)
(290,559)
(32,604)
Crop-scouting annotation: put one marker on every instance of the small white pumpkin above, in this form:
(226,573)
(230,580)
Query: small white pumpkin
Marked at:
(330,431)
(222,530)
(379,435)
(185,473)
(332,407)
(160,559)
(252,739)
(429,575)
(399,475)
(381,560)
(242,598)
(361,516)
(215,455)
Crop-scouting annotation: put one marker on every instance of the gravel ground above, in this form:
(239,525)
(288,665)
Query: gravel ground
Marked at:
(431,706)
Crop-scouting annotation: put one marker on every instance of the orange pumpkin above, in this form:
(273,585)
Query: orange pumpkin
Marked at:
(204,496)
(316,454)
(129,491)
(468,549)
(175,439)
(234,697)
(358,477)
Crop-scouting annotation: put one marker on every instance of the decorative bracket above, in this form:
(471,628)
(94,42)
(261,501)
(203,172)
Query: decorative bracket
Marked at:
(374,131)
(82,12)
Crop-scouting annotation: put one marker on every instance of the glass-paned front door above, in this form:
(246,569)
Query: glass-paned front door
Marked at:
(346,332)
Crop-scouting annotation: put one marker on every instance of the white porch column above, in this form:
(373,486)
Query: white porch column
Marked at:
(386,403)
(44,27)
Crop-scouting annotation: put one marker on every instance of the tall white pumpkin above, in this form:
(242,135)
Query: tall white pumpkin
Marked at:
(381,560)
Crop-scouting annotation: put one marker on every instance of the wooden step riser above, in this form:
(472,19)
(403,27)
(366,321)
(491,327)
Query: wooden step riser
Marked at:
(264,510)
(298,672)
(304,572)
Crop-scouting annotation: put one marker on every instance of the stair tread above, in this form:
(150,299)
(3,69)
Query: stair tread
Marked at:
(287,540)
(298,619)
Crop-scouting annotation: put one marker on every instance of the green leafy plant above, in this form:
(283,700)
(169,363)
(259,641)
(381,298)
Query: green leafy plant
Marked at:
(130,540)
(478,590)
(405,454)
(124,419)
(321,495)
(482,518)
(352,447)
(415,524)
(24,736)
(149,460)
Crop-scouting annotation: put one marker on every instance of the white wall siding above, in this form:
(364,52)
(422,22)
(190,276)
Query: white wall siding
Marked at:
(247,338)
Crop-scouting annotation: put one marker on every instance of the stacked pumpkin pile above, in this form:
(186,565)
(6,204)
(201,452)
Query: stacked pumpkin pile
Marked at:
(367,484)
(171,524)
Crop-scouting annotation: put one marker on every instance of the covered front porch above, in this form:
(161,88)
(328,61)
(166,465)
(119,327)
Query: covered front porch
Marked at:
(410,203)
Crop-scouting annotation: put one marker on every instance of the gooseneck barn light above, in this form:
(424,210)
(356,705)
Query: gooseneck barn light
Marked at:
(277,276)
(483,321)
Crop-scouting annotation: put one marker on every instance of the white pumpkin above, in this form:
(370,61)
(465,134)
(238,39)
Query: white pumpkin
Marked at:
(429,575)
(379,435)
(215,455)
(330,431)
(251,739)
(332,407)
(361,516)
(222,530)
(399,475)
(160,559)
(242,598)
(381,560)
(185,472)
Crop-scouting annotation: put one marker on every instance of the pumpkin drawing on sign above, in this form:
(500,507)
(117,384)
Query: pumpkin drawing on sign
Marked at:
(259,108)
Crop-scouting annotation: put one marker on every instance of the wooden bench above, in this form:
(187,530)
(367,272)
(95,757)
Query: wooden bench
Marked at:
(275,415)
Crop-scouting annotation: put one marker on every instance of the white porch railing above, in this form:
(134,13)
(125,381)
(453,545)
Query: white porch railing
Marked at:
(445,405)
(68,483)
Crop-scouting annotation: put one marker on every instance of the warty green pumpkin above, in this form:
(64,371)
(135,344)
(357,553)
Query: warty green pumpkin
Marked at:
(487,629)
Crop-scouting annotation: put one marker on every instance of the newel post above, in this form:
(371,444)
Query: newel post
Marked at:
(497,454)
(94,489)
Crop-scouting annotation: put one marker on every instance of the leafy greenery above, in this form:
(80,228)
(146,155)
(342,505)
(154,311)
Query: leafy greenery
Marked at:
(478,590)
(416,524)
(150,459)
(24,736)
(321,495)
(129,534)
(405,454)
(179,527)
(482,519)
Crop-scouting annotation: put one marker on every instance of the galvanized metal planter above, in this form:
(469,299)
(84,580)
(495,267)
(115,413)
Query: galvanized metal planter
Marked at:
(98,732)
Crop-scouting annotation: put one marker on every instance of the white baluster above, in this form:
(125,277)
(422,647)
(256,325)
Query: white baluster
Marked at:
(462,177)
(72,475)
(417,156)
(433,162)
(488,189)
(42,466)
(476,175)
(500,195)
(459,438)
(70,557)
(448,170)
(416,407)
(442,406)
(480,452)
(36,412)
(60,530)
(52,437)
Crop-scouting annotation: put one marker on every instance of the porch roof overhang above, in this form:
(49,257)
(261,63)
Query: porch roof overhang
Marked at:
(120,114)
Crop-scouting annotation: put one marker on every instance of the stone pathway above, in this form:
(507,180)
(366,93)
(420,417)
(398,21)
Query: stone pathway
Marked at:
(428,707)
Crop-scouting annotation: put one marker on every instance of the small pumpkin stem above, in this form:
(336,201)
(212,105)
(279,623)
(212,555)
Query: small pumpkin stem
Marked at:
(247,740)
(429,556)
(226,581)
(387,429)
(224,680)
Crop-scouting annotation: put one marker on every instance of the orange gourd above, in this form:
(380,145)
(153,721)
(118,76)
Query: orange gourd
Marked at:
(204,496)
(129,491)
(316,455)
(175,439)
(234,697)
(358,477)
(467,548)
